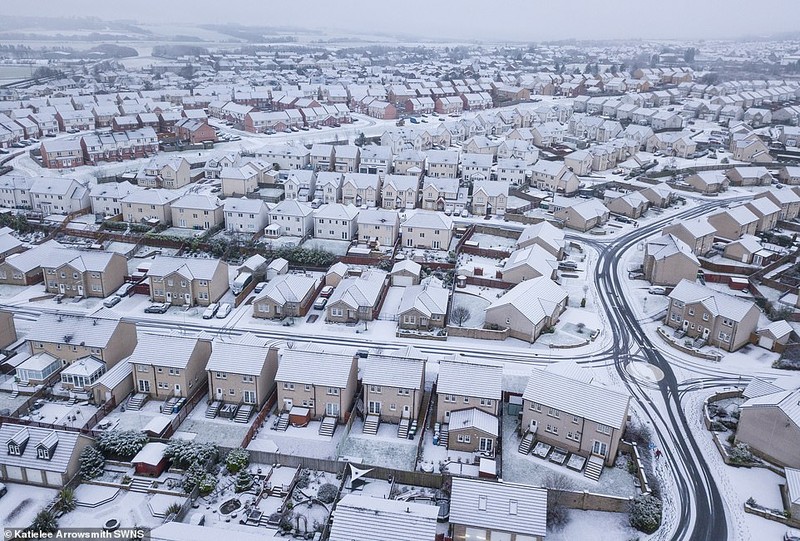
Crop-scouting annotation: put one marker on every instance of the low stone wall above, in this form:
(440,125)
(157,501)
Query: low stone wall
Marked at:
(722,395)
(475,332)
(589,501)
(691,351)
(401,333)
(569,346)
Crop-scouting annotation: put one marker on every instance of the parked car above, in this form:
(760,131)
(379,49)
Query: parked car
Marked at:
(124,290)
(572,265)
(362,353)
(112,301)
(3,489)
(657,290)
(320,303)
(224,310)
(159,308)
(211,310)
(326,292)
(259,287)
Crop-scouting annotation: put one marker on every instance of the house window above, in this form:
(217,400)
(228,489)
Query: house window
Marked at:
(307,387)
(43,453)
(575,419)
(466,400)
(13,449)
(482,501)
(552,412)
(691,311)
(222,375)
(552,429)
(536,407)
(604,429)
(723,337)
(705,317)
(375,388)
(333,391)
(288,386)
(487,402)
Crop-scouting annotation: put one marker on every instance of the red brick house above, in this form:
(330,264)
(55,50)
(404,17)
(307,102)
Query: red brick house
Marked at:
(194,131)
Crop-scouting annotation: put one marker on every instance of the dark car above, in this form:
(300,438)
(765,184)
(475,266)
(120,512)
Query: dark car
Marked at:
(159,308)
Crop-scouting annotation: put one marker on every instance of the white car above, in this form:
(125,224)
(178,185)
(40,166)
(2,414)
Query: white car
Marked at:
(259,287)
(657,290)
(211,310)
(224,310)
(112,301)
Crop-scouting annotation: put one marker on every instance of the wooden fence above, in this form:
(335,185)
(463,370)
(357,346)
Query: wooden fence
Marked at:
(262,414)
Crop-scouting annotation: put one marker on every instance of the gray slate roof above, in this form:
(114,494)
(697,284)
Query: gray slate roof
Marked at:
(480,380)
(505,507)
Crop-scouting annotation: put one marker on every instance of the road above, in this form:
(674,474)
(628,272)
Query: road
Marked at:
(701,514)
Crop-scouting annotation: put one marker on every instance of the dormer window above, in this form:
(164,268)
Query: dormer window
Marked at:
(47,446)
(17,443)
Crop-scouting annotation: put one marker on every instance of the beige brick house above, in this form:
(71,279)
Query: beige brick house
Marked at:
(286,295)
(733,223)
(769,421)
(71,337)
(241,372)
(167,366)
(25,268)
(378,225)
(394,386)
(78,273)
(197,211)
(528,308)
(464,385)
(767,212)
(148,206)
(357,298)
(400,192)
(787,200)
(8,331)
(719,319)
(427,229)
(325,383)
(423,307)
(544,234)
(668,260)
(182,281)
(562,407)
(698,234)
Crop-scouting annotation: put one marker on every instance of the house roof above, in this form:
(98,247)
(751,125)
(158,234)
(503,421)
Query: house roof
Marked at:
(360,291)
(151,454)
(195,269)
(787,401)
(501,506)
(668,245)
(402,182)
(91,332)
(244,205)
(116,374)
(546,232)
(380,519)
(389,370)
(535,299)
(337,211)
(315,367)
(291,207)
(162,350)
(577,397)
(492,188)
(533,256)
(461,377)
(198,202)
(237,358)
(407,265)
(778,329)
(428,219)
(793,485)
(716,302)
(426,300)
(61,455)
(698,227)
(474,418)
(286,288)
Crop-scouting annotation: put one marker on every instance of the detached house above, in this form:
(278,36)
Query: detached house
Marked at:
(489,197)
(400,192)
(245,215)
(168,366)
(361,189)
(423,307)
(375,160)
(473,393)
(733,223)
(394,386)
(427,229)
(543,234)
(528,308)
(301,185)
(76,273)
(329,187)
(346,158)
(357,298)
(291,218)
(440,193)
(241,372)
(710,316)
(336,222)
(570,412)
(182,281)
(442,164)
(583,214)
(106,199)
(150,206)
(57,195)
(69,338)
(769,422)
(197,211)
(668,260)
(286,295)
(554,177)
(698,234)
(378,225)
(633,204)
(320,384)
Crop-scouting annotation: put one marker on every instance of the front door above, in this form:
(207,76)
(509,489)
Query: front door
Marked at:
(287,404)
(177,389)
(219,393)
(80,291)
(447,416)
(62,288)
(599,448)
(406,411)
(169,296)
(144,386)
(706,332)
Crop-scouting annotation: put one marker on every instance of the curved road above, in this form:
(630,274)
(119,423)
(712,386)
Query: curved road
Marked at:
(702,511)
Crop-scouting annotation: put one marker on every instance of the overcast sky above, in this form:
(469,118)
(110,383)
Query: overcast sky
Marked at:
(492,20)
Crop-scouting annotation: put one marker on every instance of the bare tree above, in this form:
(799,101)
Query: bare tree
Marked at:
(558,488)
(459,315)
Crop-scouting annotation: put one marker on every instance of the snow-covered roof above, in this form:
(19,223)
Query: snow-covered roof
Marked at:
(407,265)
(361,291)
(500,506)
(716,302)
(546,232)
(92,332)
(151,454)
(577,397)
(534,299)
(337,211)
(786,401)
(535,257)
(237,358)
(315,368)
(286,288)
(668,245)
(474,418)
(389,370)
(381,519)
(162,350)
(192,268)
(428,219)
(462,377)
(426,300)
(60,456)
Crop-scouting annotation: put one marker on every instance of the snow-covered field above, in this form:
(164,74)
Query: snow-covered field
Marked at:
(384,449)
(595,525)
(476,306)
(21,503)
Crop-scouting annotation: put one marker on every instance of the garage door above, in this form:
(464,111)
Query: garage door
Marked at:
(402,281)
(765,342)
(35,477)
(53,479)
(14,473)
